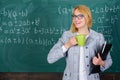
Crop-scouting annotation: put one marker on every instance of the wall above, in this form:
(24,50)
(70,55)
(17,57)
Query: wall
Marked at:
(29,28)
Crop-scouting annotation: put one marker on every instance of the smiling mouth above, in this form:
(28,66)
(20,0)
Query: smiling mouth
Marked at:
(79,23)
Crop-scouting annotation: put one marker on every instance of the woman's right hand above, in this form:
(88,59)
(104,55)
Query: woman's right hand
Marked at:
(71,42)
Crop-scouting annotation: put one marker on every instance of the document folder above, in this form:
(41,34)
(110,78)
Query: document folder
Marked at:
(103,53)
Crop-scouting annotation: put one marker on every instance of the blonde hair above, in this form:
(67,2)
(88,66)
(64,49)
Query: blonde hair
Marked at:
(87,15)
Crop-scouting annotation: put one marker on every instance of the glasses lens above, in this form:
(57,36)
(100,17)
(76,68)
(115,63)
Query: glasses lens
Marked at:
(80,16)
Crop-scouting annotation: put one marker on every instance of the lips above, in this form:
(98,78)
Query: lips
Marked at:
(78,23)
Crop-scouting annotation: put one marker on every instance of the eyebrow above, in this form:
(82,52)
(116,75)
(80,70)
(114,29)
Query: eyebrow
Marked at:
(78,15)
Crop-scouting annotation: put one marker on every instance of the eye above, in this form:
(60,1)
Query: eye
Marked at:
(81,15)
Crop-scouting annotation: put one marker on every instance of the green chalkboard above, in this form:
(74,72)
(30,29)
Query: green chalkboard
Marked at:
(29,29)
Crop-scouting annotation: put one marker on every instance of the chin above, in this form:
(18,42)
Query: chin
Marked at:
(78,26)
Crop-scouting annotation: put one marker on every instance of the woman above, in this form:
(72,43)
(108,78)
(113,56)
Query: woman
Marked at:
(67,47)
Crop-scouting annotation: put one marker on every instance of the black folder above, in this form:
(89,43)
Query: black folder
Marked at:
(103,53)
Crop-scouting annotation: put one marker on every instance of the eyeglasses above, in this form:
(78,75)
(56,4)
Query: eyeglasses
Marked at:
(80,16)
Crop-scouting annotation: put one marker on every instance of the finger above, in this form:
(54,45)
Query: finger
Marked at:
(99,56)
(94,62)
(74,40)
(95,59)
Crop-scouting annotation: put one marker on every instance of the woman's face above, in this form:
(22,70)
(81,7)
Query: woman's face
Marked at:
(78,19)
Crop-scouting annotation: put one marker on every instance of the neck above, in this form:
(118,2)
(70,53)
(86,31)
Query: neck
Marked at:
(84,30)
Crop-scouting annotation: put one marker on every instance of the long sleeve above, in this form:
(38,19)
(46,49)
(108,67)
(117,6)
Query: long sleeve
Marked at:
(108,61)
(57,51)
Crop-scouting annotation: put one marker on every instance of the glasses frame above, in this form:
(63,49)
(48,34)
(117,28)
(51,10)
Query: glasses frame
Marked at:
(79,16)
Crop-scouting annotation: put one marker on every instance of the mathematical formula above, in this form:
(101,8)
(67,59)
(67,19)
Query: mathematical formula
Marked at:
(18,23)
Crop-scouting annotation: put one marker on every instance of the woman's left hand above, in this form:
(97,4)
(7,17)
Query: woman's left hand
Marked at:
(98,60)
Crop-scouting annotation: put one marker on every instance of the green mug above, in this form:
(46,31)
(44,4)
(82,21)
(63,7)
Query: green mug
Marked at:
(81,40)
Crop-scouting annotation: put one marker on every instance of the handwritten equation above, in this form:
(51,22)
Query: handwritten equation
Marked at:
(35,30)
(19,23)
(105,10)
(28,41)
(106,31)
(11,13)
